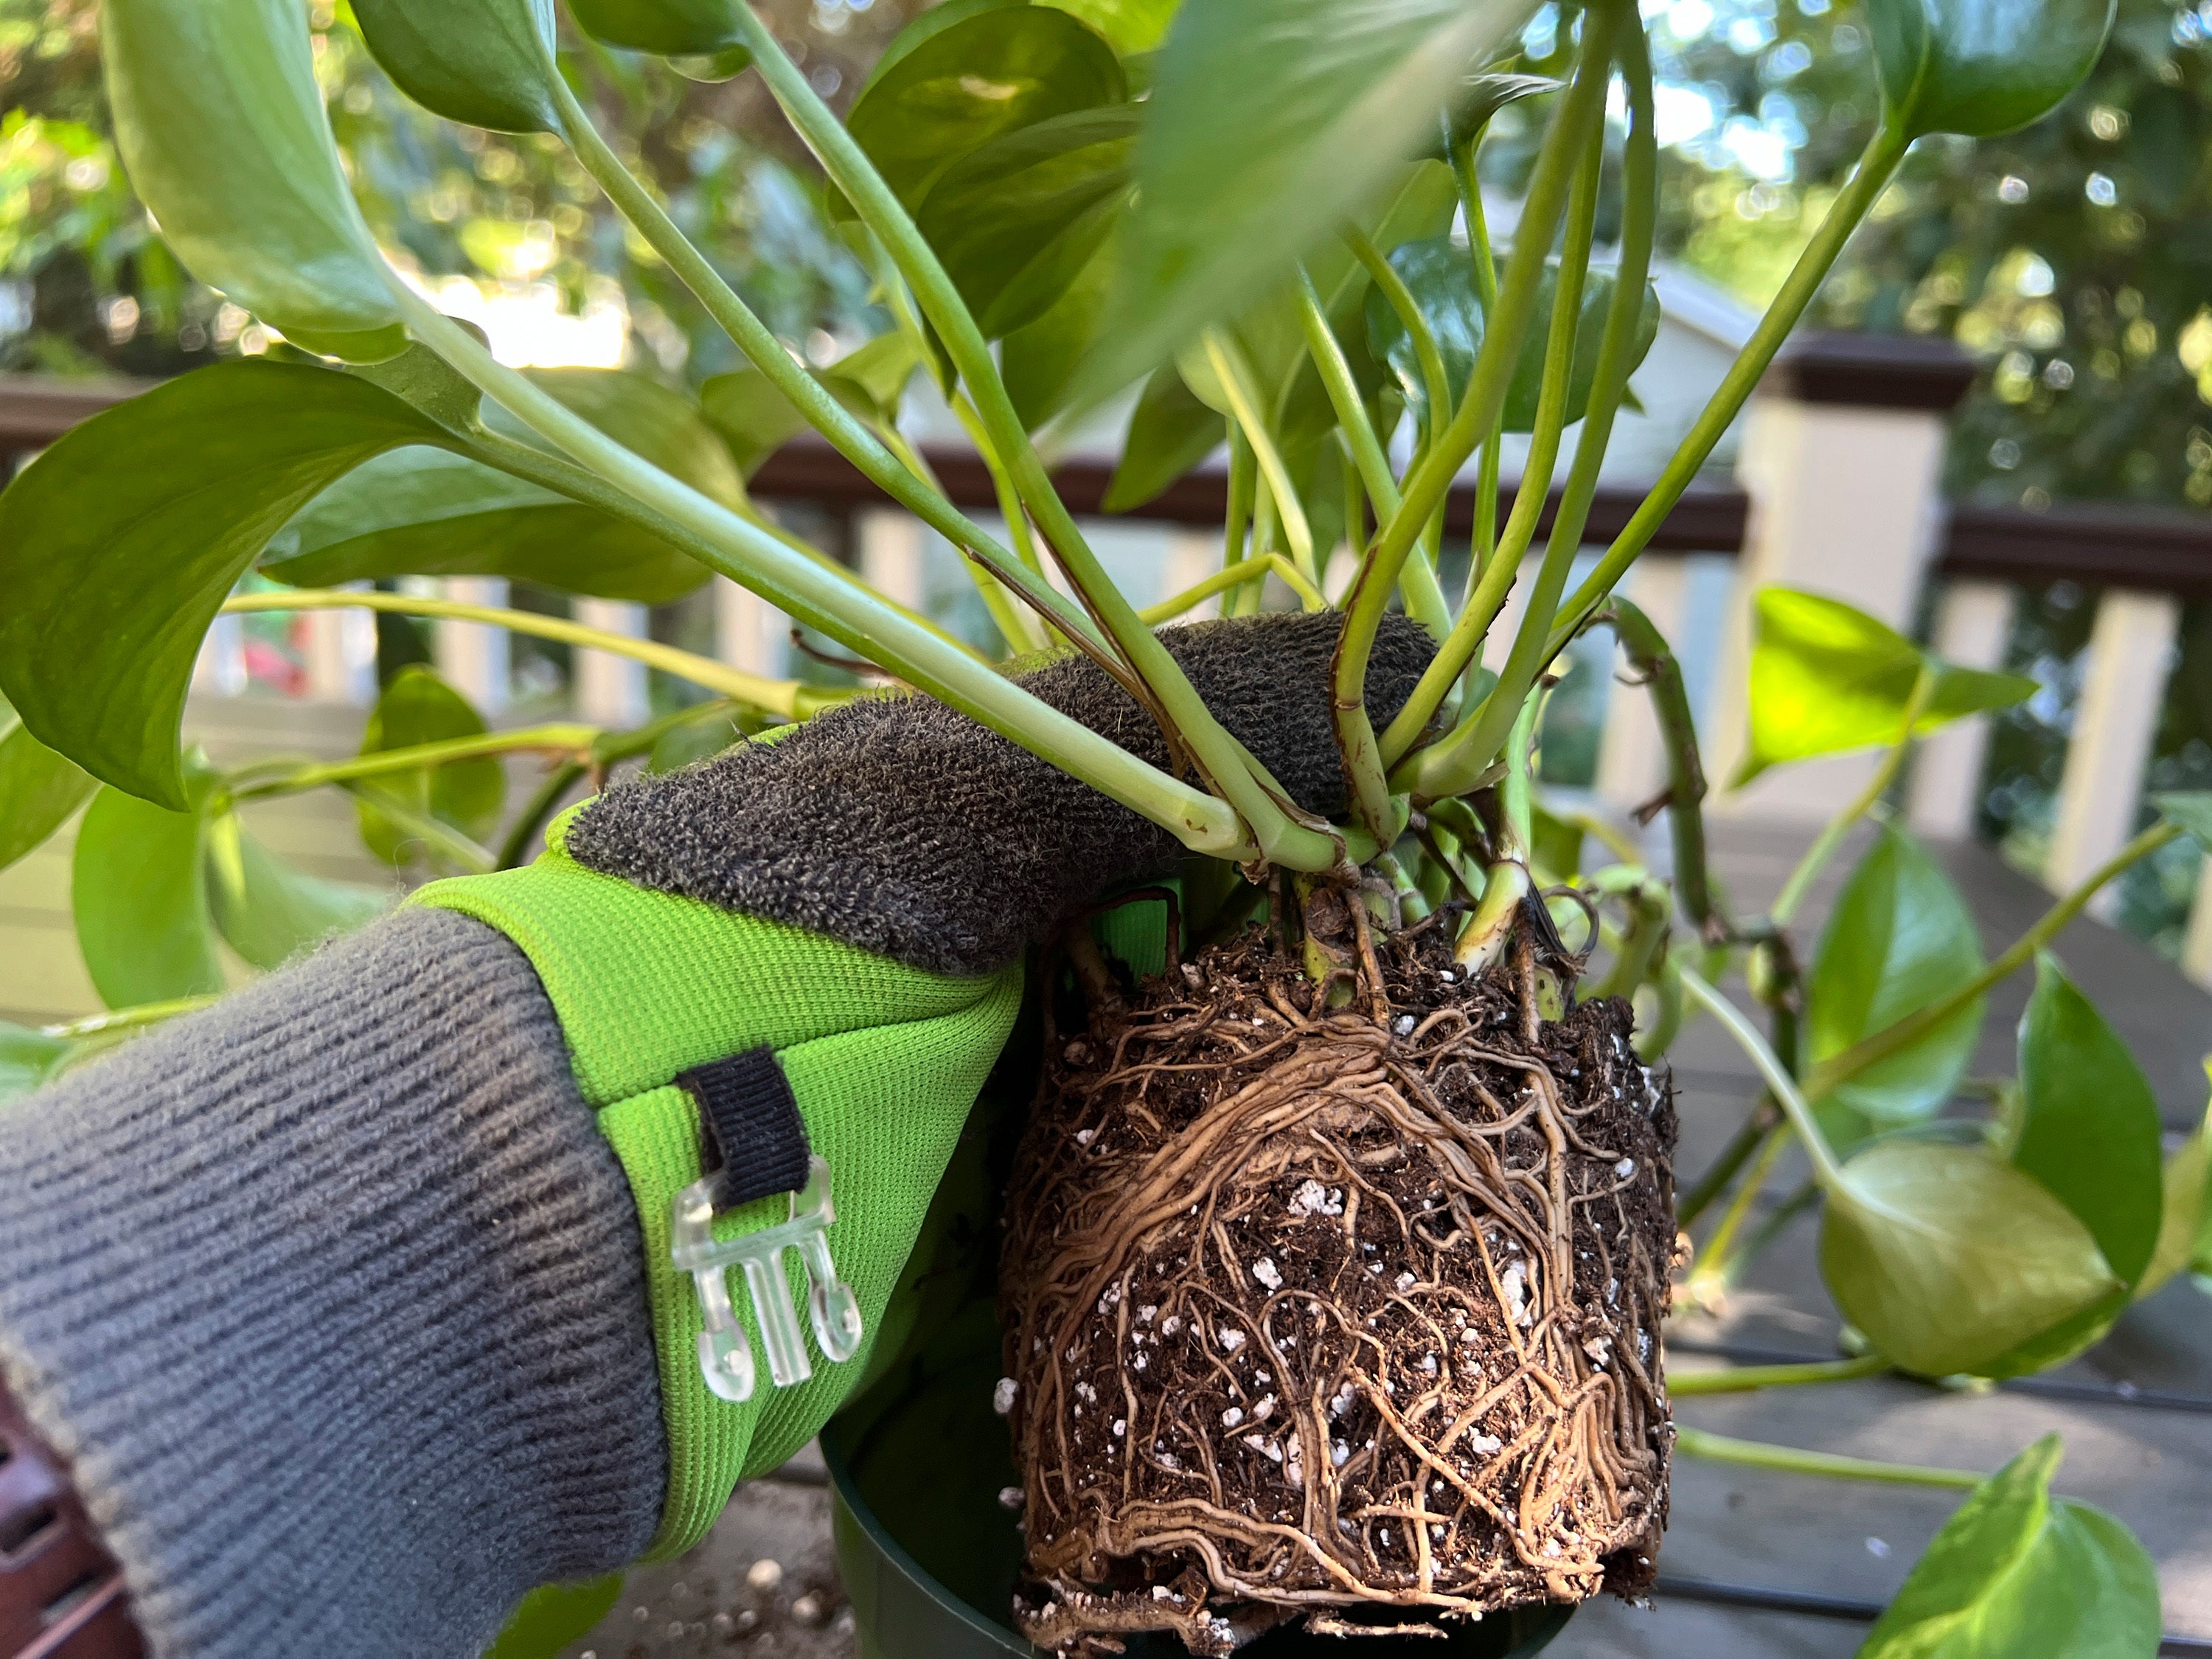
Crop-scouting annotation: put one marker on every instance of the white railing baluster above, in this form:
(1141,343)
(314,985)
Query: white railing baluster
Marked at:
(2122,694)
(610,690)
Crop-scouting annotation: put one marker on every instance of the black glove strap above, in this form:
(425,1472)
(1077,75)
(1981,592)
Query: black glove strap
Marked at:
(751,1126)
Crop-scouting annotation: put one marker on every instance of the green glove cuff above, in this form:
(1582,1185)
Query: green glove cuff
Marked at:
(885,1061)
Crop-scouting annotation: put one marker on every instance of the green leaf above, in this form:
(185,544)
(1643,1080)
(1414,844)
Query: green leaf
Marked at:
(1131,27)
(751,416)
(652,420)
(1482,96)
(2185,1212)
(871,379)
(1017,221)
(27,1059)
(1556,845)
(419,708)
(2090,1127)
(1899,938)
(1440,274)
(425,511)
(670,27)
(141,909)
(1982,67)
(1826,678)
(1270,122)
(2018,1574)
(220,126)
(1040,361)
(950,84)
(1170,432)
(267,911)
(119,545)
(39,790)
(2192,811)
(1946,1258)
(482,63)
(555,1615)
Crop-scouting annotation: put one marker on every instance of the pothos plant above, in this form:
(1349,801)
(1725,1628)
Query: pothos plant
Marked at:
(1339,1253)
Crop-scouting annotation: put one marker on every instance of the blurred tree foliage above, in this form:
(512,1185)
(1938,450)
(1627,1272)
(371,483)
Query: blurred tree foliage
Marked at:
(87,285)
(2074,260)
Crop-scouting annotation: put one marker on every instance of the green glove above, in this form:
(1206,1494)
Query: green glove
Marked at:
(853,898)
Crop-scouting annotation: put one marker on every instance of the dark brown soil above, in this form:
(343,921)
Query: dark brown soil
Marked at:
(1282,1298)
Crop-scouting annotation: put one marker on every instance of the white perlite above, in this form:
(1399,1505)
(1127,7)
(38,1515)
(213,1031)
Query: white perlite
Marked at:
(1002,1396)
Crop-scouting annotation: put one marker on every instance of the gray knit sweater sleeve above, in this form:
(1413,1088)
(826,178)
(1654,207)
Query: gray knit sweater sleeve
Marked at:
(333,1297)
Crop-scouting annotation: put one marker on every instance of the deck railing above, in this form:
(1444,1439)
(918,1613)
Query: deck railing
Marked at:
(1836,490)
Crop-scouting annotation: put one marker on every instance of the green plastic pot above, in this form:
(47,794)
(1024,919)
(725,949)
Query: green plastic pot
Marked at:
(928,1554)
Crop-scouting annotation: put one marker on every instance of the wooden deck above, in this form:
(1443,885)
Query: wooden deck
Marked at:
(1757,1565)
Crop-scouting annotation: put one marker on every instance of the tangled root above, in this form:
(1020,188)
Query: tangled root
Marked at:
(1326,1314)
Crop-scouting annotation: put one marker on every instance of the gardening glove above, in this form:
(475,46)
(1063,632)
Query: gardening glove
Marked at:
(351,1302)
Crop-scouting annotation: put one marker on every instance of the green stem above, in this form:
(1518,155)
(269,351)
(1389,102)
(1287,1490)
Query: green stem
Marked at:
(1744,1379)
(1237,575)
(1507,885)
(852,614)
(1460,756)
(1868,1051)
(432,832)
(1883,152)
(558,739)
(1755,1453)
(128,1019)
(1384,276)
(1716,1258)
(1649,656)
(1229,368)
(997,600)
(785,697)
(1484,542)
(1365,448)
(845,431)
(1826,1167)
(1832,833)
(1243,485)
(1280,838)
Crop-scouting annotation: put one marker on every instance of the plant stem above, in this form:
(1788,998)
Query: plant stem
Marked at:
(1507,883)
(1228,367)
(531,822)
(1883,152)
(1280,838)
(1714,1260)
(1743,1379)
(558,739)
(1455,761)
(1649,654)
(1485,539)
(1366,449)
(850,438)
(434,832)
(854,616)
(1756,1454)
(785,697)
(1882,1044)
(128,1019)
(1825,1168)
(1237,575)
(1832,833)
(1384,276)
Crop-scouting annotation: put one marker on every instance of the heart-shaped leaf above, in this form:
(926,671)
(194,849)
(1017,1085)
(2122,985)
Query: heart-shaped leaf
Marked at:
(1440,275)
(1982,67)
(1170,432)
(27,1059)
(268,912)
(1040,361)
(119,545)
(1482,96)
(1946,1258)
(39,790)
(2018,1574)
(1826,678)
(2089,1126)
(220,126)
(554,1616)
(651,420)
(140,904)
(426,512)
(965,74)
(419,708)
(480,61)
(1017,221)
(1271,122)
(673,28)
(1899,938)
(1132,26)
(752,417)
